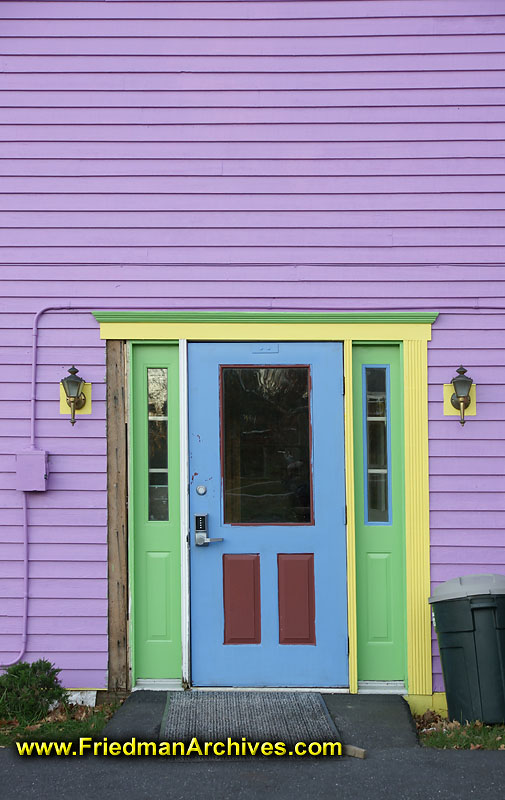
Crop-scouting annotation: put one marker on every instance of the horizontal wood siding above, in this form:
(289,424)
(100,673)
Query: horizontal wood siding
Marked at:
(67,523)
(368,131)
(467,464)
(241,155)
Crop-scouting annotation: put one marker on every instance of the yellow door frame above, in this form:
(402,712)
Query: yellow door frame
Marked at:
(413,331)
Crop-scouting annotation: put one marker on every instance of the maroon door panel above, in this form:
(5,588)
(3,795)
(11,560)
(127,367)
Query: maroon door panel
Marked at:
(242,607)
(296,598)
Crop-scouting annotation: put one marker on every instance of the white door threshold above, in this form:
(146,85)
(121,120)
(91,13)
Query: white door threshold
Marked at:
(174,685)
(381,687)
(169,685)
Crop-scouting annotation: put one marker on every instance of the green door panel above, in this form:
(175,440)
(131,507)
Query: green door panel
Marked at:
(380,515)
(155,562)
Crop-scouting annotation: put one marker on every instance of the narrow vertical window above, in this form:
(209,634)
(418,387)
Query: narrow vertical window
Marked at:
(377,456)
(157,421)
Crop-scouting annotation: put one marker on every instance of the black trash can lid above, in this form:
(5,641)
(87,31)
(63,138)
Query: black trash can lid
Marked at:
(468,586)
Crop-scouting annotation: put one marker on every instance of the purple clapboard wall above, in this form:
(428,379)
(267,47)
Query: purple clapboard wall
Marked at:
(241,155)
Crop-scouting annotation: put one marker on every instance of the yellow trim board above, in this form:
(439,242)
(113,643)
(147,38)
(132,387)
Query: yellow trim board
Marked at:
(351,526)
(419,703)
(247,332)
(65,408)
(417,517)
(450,411)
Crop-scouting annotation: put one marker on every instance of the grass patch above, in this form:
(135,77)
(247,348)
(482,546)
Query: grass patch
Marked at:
(436,731)
(65,723)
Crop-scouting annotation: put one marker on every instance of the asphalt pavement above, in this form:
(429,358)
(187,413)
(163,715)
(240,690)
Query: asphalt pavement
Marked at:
(395,765)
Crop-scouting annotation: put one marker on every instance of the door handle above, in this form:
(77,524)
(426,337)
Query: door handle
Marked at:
(201,538)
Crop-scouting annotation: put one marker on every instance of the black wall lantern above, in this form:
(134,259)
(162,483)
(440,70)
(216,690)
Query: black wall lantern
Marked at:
(74,391)
(461,397)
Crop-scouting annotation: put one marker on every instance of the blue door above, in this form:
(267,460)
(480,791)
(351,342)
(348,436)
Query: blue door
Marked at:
(266,442)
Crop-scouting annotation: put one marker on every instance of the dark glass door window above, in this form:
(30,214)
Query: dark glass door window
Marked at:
(266,445)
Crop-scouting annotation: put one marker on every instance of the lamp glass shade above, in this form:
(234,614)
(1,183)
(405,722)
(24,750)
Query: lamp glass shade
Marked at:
(73,386)
(461,385)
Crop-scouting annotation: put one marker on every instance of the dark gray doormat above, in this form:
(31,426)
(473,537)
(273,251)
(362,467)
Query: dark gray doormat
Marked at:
(259,716)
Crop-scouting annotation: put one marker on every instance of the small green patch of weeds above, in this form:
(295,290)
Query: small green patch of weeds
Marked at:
(34,707)
(436,731)
(65,723)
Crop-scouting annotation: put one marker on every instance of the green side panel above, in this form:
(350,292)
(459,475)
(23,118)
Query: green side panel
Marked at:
(380,548)
(155,560)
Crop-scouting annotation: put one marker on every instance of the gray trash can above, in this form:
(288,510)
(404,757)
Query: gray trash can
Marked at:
(470,623)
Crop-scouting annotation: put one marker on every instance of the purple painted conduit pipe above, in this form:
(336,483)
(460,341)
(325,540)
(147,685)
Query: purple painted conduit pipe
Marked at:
(24,635)
(26,543)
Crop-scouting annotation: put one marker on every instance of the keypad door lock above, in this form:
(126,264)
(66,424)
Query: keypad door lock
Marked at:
(201,530)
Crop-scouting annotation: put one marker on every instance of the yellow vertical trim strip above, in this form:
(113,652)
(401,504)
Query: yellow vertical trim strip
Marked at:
(417,517)
(351,527)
